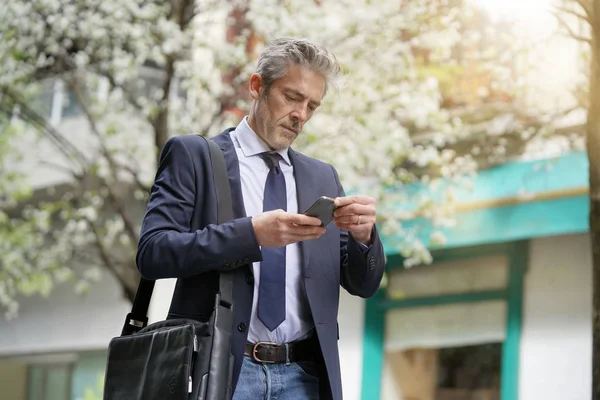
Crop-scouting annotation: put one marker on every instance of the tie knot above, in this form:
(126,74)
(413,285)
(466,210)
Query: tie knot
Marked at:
(271,158)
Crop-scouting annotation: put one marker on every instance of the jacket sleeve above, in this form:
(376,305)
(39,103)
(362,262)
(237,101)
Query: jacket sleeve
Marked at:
(167,247)
(360,271)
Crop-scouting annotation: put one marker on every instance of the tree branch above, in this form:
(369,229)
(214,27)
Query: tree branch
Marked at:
(565,10)
(132,100)
(161,122)
(136,178)
(570,31)
(183,12)
(128,223)
(124,275)
(73,84)
(57,167)
(116,202)
(60,141)
(586,6)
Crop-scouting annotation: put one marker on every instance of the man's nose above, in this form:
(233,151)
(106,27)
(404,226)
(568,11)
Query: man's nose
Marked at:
(300,113)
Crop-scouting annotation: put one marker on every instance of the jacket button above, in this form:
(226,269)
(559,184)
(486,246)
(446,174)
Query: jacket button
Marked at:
(250,280)
(242,327)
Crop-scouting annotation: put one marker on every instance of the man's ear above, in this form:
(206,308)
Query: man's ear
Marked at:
(256,86)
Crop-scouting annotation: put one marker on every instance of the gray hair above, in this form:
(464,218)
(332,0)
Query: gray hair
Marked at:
(280,53)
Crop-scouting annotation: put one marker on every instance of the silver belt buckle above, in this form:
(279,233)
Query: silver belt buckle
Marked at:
(255,352)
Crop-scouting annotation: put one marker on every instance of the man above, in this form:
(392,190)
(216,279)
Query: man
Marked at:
(288,269)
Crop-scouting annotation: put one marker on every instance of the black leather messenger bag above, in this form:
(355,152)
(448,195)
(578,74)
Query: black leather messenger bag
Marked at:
(177,359)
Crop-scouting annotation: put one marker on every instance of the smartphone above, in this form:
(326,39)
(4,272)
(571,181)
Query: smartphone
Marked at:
(323,209)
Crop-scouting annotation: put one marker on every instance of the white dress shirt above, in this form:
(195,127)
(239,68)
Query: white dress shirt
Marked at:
(253,173)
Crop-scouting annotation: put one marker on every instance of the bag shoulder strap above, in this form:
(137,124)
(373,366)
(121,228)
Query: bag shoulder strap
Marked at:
(138,317)
(224,212)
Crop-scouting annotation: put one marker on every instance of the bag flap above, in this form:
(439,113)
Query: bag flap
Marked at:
(152,365)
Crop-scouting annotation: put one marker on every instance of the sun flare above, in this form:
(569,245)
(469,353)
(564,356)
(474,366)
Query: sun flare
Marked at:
(514,8)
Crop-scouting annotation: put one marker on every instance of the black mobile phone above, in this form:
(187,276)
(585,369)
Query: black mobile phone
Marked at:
(323,209)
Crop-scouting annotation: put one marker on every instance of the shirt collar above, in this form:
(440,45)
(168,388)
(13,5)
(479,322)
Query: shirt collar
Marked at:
(252,145)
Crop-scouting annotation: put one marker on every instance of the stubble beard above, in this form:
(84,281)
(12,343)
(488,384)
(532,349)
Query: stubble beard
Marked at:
(276,136)
(278,139)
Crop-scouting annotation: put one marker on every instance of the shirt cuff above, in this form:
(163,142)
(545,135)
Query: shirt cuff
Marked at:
(363,247)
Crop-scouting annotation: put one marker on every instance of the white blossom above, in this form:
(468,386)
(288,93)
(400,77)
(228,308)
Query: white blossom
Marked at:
(384,129)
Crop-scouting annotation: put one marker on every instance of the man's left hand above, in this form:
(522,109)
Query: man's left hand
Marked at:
(356,214)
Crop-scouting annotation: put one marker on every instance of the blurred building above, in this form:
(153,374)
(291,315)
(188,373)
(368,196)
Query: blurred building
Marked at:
(504,312)
(56,348)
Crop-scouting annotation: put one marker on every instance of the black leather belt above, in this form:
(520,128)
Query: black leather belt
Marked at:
(265,352)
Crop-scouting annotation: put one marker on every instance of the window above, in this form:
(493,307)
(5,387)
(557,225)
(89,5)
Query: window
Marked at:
(42,101)
(450,373)
(438,346)
(54,102)
(469,372)
(70,108)
(49,381)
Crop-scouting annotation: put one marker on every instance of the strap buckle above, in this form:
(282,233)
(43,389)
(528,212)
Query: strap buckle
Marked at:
(255,352)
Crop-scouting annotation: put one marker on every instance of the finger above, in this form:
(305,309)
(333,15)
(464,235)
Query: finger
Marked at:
(353,220)
(293,237)
(342,201)
(355,229)
(356,220)
(305,230)
(301,219)
(355,209)
(346,219)
(301,238)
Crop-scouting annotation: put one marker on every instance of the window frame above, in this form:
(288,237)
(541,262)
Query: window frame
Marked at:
(46,367)
(376,307)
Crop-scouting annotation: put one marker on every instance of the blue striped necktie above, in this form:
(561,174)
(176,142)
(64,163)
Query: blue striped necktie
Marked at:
(271,289)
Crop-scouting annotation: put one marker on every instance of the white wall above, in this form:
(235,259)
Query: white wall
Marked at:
(556,343)
(43,163)
(66,321)
(351,319)
(13,380)
(161,299)
(439,326)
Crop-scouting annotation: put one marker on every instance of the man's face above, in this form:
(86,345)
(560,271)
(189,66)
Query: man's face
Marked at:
(279,113)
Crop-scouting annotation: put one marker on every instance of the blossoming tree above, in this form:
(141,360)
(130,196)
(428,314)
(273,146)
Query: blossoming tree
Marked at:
(397,119)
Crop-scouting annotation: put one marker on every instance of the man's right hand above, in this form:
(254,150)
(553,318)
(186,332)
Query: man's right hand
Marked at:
(278,228)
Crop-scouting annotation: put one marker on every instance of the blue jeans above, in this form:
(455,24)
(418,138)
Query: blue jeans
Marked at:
(258,381)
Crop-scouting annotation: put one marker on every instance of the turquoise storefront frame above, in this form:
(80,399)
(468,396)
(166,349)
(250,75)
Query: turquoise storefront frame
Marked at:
(515,201)
(377,306)
(507,206)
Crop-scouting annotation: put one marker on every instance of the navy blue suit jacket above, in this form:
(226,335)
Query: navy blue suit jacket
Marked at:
(184,189)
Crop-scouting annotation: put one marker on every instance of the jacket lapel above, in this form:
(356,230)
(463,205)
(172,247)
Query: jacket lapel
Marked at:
(233,170)
(305,195)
